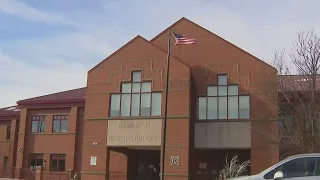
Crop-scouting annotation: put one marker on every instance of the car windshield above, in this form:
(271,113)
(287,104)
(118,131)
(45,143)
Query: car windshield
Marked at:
(281,163)
(271,167)
(266,170)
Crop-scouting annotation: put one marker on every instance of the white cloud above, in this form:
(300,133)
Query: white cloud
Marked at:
(39,66)
(20,9)
(70,47)
(26,81)
(48,65)
(259,33)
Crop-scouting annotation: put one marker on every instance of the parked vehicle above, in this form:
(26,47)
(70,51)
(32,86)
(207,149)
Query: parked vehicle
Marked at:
(298,167)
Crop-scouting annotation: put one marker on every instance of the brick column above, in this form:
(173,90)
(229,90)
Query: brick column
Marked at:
(108,164)
(263,152)
(21,137)
(72,128)
(38,173)
(94,131)
(13,145)
(177,145)
(48,125)
(12,139)
(117,163)
(46,165)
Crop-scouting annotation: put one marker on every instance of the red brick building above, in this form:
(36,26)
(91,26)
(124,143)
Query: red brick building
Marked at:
(113,128)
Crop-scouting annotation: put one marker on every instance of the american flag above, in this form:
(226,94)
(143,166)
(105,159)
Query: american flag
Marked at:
(181,39)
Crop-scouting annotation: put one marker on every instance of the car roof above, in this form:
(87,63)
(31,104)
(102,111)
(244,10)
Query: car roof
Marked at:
(304,155)
(290,158)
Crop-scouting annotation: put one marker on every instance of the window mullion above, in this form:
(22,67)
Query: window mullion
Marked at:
(130,104)
(218,107)
(130,112)
(39,125)
(57,164)
(120,104)
(207,107)
(150,101)
(60,130)
(140,104)
(59,120)
(218,100)
(227,100)
(238,107)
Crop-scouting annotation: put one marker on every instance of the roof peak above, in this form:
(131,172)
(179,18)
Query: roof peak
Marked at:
(212,33)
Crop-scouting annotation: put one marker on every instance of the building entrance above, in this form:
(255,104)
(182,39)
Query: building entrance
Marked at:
(147,165)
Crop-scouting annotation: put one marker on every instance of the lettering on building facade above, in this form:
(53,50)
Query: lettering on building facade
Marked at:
(146,65)
(134,132)
(153,74)
(133,138)
(173,84)
(157,76)
(129,65)
(133,125)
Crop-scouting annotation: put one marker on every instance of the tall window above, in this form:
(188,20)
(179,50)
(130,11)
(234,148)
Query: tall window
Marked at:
(223,102)
(8,133)
(136,99)
(60,124)
(38,123)
(57,162)
(35,160)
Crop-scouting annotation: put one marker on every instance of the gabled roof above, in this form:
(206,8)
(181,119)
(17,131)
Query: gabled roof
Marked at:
(183,19)
(70,96)
(114,53)
(130,42)
(297,82)
(9,111)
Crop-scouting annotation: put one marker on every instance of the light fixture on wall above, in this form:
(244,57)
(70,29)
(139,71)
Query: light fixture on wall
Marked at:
(94,143)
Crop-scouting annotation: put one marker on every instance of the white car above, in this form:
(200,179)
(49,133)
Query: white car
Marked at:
(302,166)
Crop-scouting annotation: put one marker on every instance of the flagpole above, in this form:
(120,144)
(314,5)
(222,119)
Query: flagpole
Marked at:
(166,108)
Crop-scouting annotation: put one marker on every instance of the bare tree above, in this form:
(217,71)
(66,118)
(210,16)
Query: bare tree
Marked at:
(233,168)
(298,96)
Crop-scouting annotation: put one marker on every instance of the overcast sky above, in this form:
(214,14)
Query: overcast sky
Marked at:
(48,46)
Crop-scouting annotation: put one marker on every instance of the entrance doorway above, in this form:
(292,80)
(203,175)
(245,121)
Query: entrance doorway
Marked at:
(146,165)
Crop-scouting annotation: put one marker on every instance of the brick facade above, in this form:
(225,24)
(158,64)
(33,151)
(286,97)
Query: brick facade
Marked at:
(193,68)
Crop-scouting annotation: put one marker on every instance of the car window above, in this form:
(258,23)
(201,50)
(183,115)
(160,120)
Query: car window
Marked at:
(300,167)
(318,167)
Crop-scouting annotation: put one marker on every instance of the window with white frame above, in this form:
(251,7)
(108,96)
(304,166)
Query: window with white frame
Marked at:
(136,99)
(223,101)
